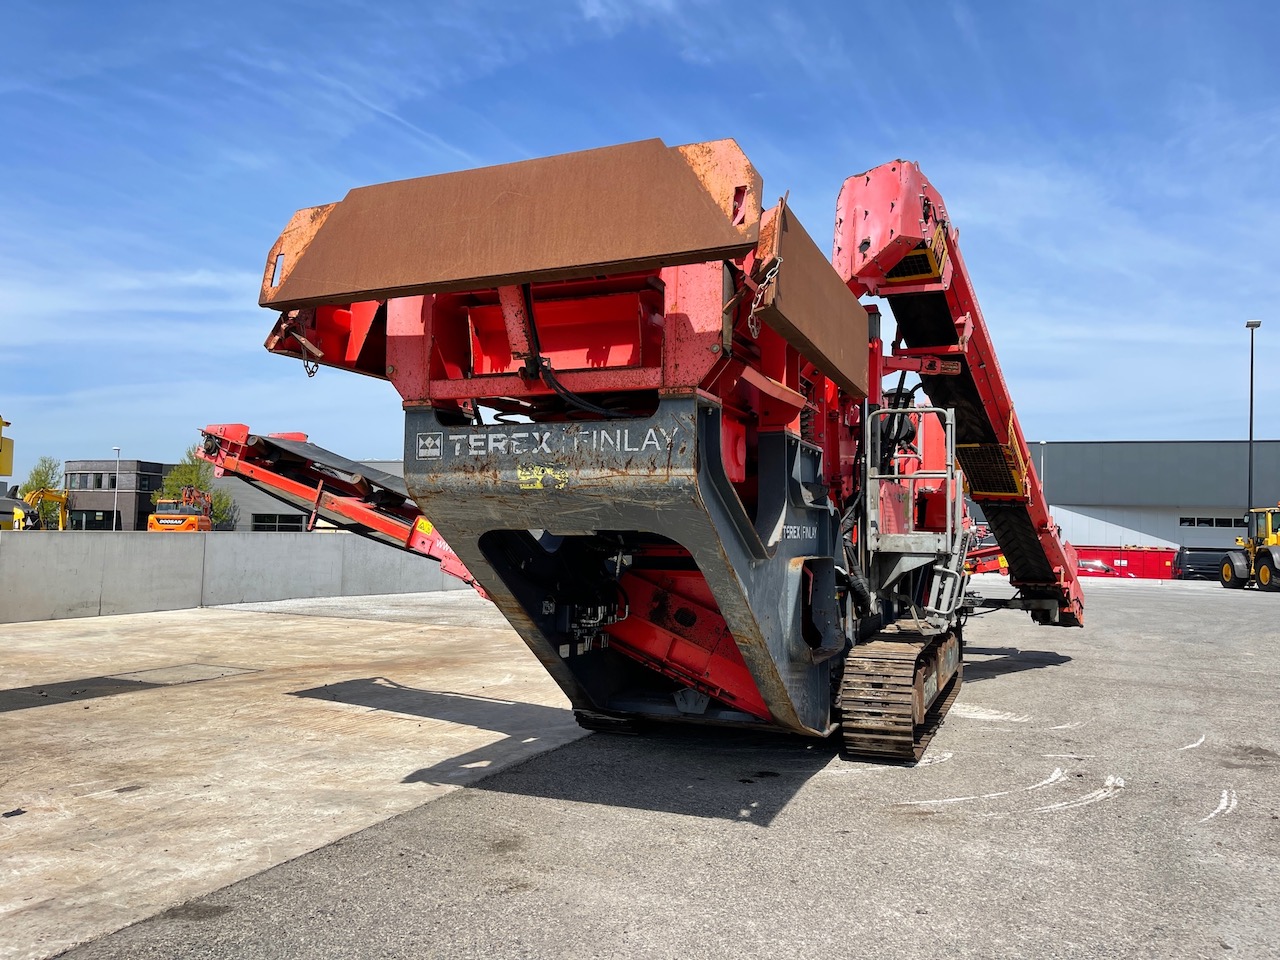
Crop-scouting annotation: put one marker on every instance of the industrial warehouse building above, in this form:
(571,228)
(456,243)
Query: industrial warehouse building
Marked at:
(1156,493)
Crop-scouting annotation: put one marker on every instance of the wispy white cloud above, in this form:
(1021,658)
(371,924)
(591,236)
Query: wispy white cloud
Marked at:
(106,306)
(159,418)
(613,15)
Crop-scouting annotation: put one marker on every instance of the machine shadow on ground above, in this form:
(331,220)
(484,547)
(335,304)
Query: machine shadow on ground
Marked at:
(716,773)
(518,723)
(65,691)
(1005,660)
(486,713)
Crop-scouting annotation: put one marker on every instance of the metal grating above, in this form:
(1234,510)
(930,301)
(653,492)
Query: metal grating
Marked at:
(918,263)
(990,469)
(924,262)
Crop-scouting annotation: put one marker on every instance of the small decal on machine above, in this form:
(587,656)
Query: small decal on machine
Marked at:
(517,442)
(537,476)
(798,531)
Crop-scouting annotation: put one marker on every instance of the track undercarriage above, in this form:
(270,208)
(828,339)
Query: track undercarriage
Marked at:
(894,693)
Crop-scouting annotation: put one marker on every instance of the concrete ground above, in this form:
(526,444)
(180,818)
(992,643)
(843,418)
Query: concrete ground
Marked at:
(1106,791)
(149,759)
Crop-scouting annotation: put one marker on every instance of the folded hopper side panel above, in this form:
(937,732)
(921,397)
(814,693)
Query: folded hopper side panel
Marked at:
(808,303)
(636,206)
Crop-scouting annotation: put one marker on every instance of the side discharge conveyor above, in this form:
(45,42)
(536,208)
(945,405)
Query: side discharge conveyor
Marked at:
(645,416)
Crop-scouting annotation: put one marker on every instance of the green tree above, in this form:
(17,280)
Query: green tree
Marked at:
(192,471)
(45,475)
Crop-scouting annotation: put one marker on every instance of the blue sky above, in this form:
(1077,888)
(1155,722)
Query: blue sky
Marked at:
(1111,167)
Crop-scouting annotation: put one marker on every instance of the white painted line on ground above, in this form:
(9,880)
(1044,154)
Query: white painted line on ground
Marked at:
(1070,756)
(1073,725)
(1109,788)
(970,712)
(1192,746)
(1225,805)
(1054,777)
(939,758)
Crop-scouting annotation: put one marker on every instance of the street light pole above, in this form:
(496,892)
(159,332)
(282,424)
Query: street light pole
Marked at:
(1251,326)
(115,500)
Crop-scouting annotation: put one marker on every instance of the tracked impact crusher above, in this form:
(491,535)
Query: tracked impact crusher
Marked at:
(645,416)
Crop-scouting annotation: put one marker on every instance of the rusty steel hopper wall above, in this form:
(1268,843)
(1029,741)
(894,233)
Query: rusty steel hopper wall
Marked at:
(616,209)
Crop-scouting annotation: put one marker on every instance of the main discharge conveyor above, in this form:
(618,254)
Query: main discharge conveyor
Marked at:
(647,417)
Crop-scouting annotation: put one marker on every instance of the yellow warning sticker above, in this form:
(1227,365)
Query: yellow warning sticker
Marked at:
(537,476)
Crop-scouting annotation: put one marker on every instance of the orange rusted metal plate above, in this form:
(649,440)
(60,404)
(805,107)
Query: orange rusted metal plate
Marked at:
(288,249)
(616,209)
(809,304)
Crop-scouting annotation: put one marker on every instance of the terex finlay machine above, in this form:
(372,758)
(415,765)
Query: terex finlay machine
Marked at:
(645,416)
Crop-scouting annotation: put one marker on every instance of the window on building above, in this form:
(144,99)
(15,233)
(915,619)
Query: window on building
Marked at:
(144,481)
(92,520)
(1216,522)
(111,481)
(97,481)
(278,522)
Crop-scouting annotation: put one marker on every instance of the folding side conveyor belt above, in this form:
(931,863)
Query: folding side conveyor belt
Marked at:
(345,494)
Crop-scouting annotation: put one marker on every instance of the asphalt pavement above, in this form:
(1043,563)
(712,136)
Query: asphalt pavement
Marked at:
(1110,791)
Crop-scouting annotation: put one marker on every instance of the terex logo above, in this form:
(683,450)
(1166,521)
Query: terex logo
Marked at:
(620,439)
(430,446)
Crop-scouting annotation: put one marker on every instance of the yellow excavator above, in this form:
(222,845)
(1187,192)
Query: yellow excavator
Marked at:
(1258,559)
(28,516)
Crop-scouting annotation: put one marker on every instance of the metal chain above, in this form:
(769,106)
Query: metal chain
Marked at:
(753,323)
(310,366)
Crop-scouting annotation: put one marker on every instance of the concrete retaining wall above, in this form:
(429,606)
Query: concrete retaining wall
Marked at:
(54,576)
